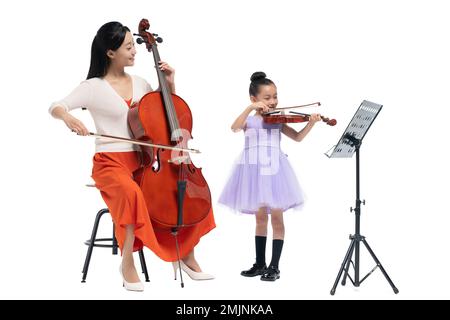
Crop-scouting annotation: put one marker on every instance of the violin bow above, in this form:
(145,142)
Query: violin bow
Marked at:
(276,110)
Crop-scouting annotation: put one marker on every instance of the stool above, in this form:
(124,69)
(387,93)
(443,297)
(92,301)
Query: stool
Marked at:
(92,242)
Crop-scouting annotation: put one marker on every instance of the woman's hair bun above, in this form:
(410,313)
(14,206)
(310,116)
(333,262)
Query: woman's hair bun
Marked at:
(257,76)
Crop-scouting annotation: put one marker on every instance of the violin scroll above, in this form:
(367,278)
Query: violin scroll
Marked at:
(330,122)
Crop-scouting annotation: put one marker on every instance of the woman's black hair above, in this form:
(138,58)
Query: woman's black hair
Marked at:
(258,79)
(110,36)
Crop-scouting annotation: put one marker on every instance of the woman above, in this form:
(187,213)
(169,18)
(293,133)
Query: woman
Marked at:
(108,93)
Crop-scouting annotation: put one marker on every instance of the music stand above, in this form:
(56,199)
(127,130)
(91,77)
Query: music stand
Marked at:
(348,144)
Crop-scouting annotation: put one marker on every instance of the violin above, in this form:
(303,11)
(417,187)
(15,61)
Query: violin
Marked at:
(275,116)
(293,118)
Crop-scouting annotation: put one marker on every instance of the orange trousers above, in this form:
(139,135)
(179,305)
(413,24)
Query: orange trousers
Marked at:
(113,176)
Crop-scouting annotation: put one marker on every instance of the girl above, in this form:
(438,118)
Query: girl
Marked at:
(108,93)
(263,181)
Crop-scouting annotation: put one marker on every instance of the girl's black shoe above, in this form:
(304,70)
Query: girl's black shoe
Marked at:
(272,273)
(254,271)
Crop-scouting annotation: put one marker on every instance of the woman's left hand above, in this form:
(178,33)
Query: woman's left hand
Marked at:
(313,118)
(169,72)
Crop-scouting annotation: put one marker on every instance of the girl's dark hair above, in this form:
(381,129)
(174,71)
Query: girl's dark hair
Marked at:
(258,79)
(110,36)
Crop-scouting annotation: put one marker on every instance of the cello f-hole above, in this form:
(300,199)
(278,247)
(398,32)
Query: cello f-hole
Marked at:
(156,165)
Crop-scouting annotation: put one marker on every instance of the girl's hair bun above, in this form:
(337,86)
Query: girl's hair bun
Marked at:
(257,76)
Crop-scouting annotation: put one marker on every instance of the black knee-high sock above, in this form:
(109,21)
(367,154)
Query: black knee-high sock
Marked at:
(277,246)
(260,244)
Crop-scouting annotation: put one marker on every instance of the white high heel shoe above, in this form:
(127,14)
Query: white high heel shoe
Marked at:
(191,273)
(131,286)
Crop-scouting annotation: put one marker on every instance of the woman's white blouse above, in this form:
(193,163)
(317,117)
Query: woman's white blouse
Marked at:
(108,109)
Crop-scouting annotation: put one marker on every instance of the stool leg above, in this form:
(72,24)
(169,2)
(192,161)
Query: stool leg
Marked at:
(114,240)
(143,265)
(91,244)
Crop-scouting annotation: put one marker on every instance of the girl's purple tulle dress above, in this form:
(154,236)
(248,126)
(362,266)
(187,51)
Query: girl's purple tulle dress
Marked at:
(262,176)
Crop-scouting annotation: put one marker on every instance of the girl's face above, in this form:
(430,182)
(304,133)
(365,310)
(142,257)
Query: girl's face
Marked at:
(124,55)
(268,95)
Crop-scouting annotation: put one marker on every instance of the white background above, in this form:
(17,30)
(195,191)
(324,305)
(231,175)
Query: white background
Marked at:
(337,52)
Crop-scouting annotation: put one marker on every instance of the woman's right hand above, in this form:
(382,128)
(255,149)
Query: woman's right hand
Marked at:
(75,125)
(259,106)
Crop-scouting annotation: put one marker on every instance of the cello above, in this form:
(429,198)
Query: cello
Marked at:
(176,193)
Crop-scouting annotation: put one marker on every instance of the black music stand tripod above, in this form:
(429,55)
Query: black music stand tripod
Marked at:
(350,143)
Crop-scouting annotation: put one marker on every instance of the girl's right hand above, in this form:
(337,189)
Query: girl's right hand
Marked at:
(75,125)
(260,106)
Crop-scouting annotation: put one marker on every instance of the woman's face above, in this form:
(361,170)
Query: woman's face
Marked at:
(124,55)
(268,95)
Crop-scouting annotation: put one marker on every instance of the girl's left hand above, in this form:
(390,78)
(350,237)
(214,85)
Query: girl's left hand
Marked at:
(313,118)
(168,71)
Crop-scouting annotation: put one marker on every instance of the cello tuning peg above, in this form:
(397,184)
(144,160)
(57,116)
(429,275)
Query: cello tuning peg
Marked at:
(157,39)
(140,40)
